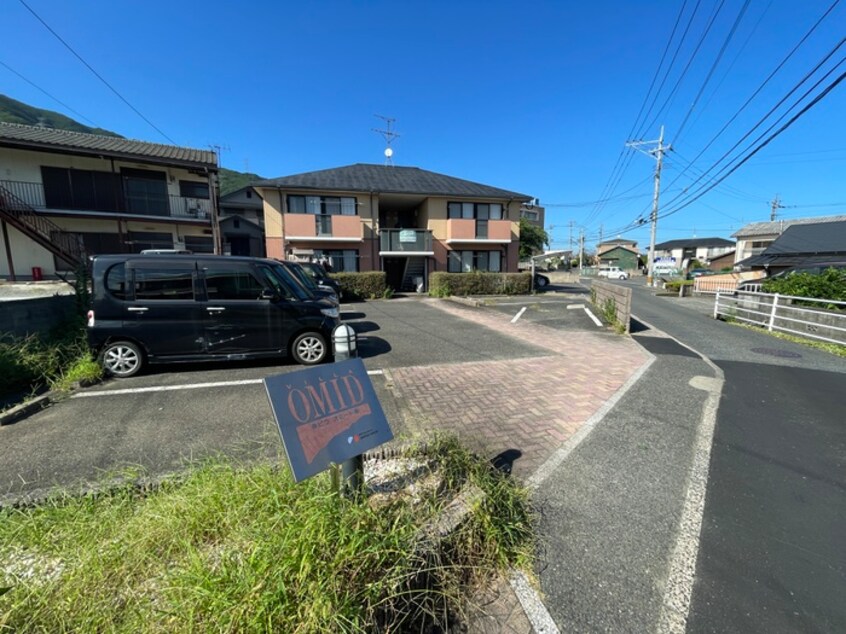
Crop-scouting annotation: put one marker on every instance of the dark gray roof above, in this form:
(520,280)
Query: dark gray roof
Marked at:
(775,227)
(617,241)
(694,242)
(387,179)
(810,239)
(64,141)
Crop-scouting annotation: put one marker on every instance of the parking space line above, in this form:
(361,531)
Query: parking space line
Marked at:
(518,315)
(592,316)
(188,386)
(575,306)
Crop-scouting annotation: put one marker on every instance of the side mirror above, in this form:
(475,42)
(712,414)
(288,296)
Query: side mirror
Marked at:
(270,294)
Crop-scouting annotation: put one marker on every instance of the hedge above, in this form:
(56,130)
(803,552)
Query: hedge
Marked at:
(443,284)
(370,285)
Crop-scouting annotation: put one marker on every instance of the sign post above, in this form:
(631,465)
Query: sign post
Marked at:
(327,415)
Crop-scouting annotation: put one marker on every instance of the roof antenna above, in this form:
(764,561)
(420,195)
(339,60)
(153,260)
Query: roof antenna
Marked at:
(389,135)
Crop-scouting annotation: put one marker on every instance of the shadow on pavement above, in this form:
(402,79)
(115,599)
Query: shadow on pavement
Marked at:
(369,347)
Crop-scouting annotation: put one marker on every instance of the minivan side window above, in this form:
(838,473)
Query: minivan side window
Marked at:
(228,284)
(163,284)
(116,281)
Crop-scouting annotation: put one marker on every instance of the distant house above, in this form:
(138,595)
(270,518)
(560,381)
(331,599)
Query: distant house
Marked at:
(67,195)
(702,249)
(803,245)
(725,261)
(405,221)
(533,212)
(619,252)
(242,223)
(753,238)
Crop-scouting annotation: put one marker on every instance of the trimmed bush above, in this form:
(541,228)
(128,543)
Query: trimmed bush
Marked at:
(830,284)
(442,284)
(675,284)
(356,286)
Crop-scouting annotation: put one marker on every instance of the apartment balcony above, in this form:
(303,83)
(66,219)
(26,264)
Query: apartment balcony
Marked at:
(470,231)
(148,204)
(321,228)
(405,242)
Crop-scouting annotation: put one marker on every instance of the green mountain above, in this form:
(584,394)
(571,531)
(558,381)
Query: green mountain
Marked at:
(13,111)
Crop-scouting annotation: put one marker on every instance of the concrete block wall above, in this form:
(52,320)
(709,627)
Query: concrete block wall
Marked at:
(620,295)
(21,317)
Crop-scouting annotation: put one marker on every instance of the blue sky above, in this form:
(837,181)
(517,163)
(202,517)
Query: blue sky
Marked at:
(536,97)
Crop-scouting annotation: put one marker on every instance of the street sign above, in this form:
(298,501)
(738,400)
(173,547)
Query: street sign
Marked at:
(326,414)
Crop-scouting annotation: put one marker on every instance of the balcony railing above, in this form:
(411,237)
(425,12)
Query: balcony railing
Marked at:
(173,206)
(402,240)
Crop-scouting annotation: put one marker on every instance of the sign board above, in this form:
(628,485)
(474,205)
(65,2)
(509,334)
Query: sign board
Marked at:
(326,414)
(408,235)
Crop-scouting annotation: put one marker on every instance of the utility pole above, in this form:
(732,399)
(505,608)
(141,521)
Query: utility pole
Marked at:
(601,227)
(775,205)
(570,243)
(658,153)
(581,250)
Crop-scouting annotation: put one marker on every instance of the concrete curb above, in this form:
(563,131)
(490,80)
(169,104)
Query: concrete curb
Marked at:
(19,412)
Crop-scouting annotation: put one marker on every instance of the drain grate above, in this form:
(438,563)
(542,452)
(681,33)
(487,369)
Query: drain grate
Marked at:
(775,352)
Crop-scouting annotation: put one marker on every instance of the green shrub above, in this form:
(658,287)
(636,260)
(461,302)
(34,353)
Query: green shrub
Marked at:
(676,284)
(830,284)
(357,286)
(442,284)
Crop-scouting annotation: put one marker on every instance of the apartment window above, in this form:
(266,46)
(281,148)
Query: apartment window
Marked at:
(322,205)
(338,260)
(199,244)
(140,240)
(193,189)
(145,192)
(479,211)
(466,261)
(84,190)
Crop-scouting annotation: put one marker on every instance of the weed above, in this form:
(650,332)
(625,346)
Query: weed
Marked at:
(832,348)
(232,547)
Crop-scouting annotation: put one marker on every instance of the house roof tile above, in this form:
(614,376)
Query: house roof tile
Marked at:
(26,136)
(694,242)
(775,227)
(388,179)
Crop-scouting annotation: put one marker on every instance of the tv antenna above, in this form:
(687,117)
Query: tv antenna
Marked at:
(217,148)
(389,135)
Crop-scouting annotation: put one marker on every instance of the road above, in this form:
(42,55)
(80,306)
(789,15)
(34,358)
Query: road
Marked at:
(772,554)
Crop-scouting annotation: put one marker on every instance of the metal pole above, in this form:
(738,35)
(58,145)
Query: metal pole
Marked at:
(352,470)
(659,151)
(9,259)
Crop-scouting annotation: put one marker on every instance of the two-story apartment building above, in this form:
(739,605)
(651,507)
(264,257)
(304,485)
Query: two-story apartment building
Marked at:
(618,252)
(685,250)
(754,238)
(405,221)
(67,195)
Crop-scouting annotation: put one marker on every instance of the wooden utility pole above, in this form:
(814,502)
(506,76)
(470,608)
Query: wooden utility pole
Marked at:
(775,205)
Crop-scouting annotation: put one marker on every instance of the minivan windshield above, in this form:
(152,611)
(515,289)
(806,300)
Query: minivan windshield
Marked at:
(298,272)
(289,283)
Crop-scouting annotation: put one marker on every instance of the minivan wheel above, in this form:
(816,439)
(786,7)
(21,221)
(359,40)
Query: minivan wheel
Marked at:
(121,359)
(309,348)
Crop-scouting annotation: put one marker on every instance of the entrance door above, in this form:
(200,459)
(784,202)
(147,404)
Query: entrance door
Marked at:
(394,272)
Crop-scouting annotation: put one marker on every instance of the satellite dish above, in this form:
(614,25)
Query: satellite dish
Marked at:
(389,152)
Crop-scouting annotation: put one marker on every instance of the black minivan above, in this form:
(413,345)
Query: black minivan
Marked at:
(150,308)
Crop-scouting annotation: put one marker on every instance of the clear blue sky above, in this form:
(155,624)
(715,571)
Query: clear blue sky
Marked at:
(538,98)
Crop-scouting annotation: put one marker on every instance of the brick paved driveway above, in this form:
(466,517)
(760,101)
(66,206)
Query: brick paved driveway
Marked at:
(531,405)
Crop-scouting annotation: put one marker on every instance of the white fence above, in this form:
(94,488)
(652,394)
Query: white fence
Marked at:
(813,318)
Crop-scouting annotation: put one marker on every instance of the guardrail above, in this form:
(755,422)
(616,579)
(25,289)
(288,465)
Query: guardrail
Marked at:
(821,319)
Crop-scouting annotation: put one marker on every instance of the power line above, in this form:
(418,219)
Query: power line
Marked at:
(96,74)
(56,99)
(707,187)
(716,63)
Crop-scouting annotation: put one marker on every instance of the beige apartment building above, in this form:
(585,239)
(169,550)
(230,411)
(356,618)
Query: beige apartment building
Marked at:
(67,195)
(405,221)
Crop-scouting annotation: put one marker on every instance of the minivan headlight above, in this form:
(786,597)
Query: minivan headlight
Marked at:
(330,312)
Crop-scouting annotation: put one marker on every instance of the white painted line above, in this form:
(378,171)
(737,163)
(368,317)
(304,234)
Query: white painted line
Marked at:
(555,460)
(679,587)
(189,386)
(518,315)
(575,306)
(592,316)
(533,607)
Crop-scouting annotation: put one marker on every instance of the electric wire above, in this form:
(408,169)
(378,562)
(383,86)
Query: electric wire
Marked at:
(96,74)
(56,99)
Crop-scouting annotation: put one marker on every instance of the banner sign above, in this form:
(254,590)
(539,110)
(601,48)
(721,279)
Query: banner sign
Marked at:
(408,235)
(326,414)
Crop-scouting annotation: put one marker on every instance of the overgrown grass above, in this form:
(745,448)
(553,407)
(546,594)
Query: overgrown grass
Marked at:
(235,548)
(832,348)
(55,360)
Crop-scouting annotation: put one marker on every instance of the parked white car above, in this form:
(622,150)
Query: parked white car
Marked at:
(613,273)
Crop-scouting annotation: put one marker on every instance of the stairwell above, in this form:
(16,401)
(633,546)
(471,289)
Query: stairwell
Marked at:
(415,267)
(64,245)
